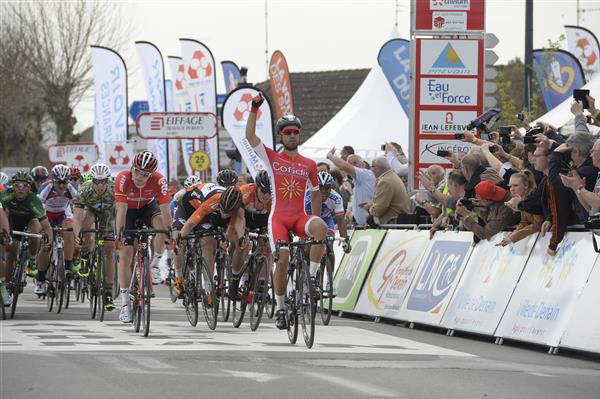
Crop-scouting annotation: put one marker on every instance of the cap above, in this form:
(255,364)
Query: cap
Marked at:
(488,190)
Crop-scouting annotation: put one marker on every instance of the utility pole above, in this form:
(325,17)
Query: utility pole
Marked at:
(528,53)
(266,40)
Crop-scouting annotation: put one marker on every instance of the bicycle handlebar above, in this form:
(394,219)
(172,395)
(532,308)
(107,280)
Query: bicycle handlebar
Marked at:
(24,234)
(146,231)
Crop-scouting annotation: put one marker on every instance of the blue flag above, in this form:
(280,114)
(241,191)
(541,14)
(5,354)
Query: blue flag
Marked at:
(231,74)
(394,60)
(558,74)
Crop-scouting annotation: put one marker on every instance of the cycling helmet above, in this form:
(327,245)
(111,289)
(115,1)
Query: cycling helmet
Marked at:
(145,161)
(22,176)
(60,172)
(263,181)
(324,178)
(287,120)
(231,199)
(191,181)
(75,172)
(39,173)
(3,178)
(226,178)
(99,171)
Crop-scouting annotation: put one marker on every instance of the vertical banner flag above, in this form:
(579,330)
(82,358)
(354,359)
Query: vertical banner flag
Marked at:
(231,75)
(394,60)
(236,109)
(584,45)
(173,144)
(182,103)
(200,72)
(558,73)
(110,104)
(281,85)
(154,77)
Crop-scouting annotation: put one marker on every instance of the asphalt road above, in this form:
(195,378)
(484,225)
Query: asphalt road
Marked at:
(67,355)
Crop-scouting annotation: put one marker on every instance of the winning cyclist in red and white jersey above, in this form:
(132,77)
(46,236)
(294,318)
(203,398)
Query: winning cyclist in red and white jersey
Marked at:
(291,175)
(141,194)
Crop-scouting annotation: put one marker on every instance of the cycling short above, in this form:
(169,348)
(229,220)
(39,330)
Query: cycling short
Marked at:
(210,221)
(136,218)
(56,219)
(256,221)
(280,225)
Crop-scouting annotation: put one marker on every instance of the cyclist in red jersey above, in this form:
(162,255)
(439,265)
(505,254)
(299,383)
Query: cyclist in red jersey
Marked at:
(141,194)
(291,174)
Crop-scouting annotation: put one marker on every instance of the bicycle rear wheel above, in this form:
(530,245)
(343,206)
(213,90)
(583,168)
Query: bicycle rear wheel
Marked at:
(92,285)
(17,283)
(207,290)
(135,293)
(170,280)
(60,281)
(51,287)
(259,293)
(292,311)
(146,296)
(326,288)
(270,305)
(224,271)
(307,307)
(238,310)
(190,296)
(100,277)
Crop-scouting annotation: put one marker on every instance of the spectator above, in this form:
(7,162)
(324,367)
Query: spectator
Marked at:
(456,190)
(589,199)
(434,182)
(579,146)
(396,158)
(323,166)
(532,216)
(346,151)
(390,198)
(580,119)
(364,184)
(490,215)
(344,190)
(474,172)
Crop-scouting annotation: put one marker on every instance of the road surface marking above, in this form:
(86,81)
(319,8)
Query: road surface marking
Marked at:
(353,385)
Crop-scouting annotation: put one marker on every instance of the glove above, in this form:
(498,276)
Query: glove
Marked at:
(257,102)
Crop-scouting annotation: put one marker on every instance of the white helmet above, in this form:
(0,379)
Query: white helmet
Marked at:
(60,172)
(3,178)
(191,181)
(100,171)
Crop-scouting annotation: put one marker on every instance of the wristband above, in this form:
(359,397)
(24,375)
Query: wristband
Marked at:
(254,110)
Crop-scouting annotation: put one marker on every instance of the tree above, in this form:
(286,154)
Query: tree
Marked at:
(55,40)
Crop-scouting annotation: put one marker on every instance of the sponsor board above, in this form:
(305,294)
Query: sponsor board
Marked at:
(445,122)
(354,267)
(81,155)
(437,277)
(547,292)
(177,125)
(436,16)
(444,5)
(448,91)
(449,57)
(487,285)
(583,331)
(449,21)
(428,150)
(392,272)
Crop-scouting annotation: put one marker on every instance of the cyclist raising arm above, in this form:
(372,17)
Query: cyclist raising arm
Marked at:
(291,174)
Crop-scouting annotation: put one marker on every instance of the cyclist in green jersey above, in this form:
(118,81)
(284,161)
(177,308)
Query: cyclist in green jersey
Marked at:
(96,200)
(25,211)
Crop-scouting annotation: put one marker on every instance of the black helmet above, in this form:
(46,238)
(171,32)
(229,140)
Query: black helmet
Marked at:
(226,178)
(263,181)
(22,176)
(40,173)
(287,120)
(231,199)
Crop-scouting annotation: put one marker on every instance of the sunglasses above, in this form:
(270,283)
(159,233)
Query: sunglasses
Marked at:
(287,132)
(21,186)
(61,181)
(141,172)
(100,181)
(326,187)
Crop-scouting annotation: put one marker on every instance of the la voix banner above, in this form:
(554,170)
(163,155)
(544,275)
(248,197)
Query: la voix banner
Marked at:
(487,285)
(201,81)
(558,73)
(231,75)
(351,273)
(110,102)
(391,273)
(394,60)
(154,79)
(281,86)
(437,277)
(234,116)
(547,293)
(182,103)
(583,44)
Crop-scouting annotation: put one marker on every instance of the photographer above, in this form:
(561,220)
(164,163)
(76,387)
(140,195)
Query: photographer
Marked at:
(487,214)
(475,172)
(456,190)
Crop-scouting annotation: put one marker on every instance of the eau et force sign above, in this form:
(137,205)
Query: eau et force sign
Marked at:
(445,91)
(177,125)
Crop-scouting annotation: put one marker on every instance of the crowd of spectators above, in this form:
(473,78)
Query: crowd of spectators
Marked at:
(532,179)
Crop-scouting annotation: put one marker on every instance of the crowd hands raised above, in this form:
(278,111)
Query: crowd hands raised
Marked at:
(523,179)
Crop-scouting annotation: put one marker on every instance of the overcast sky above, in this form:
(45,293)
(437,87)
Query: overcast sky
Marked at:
(314,35)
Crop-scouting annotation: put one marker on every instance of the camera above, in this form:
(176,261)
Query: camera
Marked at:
(383,147)
(535,130)
(484,120)
(467,203)
(529,140)
(593,223)
(505,134)
(459,136)
(442,153)
(520,116)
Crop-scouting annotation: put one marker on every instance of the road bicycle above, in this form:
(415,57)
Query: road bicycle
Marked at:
(17,281)
(324,279)
(58,288)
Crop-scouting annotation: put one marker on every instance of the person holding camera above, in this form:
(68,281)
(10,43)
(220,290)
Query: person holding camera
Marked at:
(487,214)
(475,172)
(456,184)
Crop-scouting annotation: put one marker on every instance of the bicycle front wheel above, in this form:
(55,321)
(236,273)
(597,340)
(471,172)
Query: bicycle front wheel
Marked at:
(292,310)
(136,297)
(92,285)
(60,281)
(270,305)
(306,304)
(146,295)
(100,277)
(223,285)
(259,292)
(190,296)
(17,283)
(325,281)
(207,291)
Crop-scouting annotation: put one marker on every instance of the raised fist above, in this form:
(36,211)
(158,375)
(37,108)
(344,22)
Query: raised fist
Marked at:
(257,101)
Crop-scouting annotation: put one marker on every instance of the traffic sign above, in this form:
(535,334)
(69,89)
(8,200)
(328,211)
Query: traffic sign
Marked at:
(491,40)
(177,125)
(199,161)
(137,108)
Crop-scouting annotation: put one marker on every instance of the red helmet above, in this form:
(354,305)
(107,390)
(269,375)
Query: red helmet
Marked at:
(75,172)
(145,161)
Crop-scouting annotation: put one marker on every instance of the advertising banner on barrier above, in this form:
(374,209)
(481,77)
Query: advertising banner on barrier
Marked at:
(583,330)
(354,267)
(391,273)
(547,293)
(487,285)
(437,277)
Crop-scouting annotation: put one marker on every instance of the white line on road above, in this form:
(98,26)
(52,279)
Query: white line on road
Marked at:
(258,377)
(366,389)
(151,362)
(540,374)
